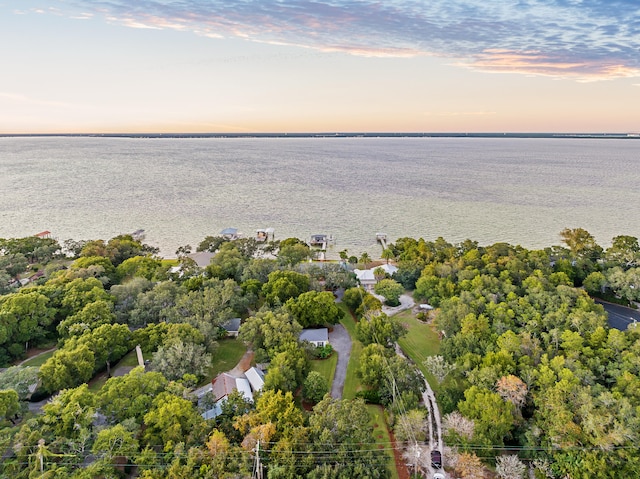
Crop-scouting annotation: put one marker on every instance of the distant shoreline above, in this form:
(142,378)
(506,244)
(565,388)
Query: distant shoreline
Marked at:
(617,136)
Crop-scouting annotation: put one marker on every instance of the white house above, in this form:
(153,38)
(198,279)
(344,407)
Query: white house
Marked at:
(317,337)
(223,385)
(367,278)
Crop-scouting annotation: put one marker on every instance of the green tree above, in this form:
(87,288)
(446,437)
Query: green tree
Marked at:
(268,332)
(292,254)
(67,368)
(115,442)
(172,420)
(365,259)
(391,290)
(624,251)
(9,404)
(492,416)
(131,395)
(314,308)
(138,266)
(70,412)
(20,379)
(287,369)
(388,254)
(379,328)
(315,387)
(283,285)
(179,358)
(91,316)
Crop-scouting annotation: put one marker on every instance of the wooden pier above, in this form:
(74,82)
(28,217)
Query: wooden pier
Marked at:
(382,239)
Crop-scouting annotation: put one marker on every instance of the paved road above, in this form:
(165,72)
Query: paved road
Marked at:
(341,343)
(619,316)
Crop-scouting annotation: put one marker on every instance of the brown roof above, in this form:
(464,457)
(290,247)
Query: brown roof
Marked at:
(222,386)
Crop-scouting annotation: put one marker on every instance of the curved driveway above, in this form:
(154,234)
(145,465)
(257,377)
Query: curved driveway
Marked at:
(341,344)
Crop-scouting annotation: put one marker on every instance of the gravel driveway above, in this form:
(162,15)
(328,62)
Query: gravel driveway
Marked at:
(341,343)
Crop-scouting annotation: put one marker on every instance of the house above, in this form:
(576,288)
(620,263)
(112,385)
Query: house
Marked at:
(230,234)
(223,385)
(43,234)
(367,277)
(317,337)
(263,235)
(255,377)
(201,258)
(232,327)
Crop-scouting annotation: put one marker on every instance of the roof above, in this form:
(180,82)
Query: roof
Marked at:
(255,377)
(313,335)
(232,326)
(202,258)
(364,274)
(389,268)
(229,231)
(223,385)
(244,387)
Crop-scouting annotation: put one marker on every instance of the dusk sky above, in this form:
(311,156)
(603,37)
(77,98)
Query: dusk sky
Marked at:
(319,66)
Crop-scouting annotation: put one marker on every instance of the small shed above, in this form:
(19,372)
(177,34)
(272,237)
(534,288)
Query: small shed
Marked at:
(318,337)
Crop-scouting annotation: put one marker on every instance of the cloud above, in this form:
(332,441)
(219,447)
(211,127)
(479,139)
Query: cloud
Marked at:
(580,39)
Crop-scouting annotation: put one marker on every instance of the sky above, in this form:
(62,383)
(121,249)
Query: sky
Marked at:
(242,66)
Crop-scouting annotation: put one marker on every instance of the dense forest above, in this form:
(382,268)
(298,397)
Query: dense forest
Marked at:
(528,376)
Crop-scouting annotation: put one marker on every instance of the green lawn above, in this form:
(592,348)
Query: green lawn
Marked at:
(381,435)
(326,367)
(420,342)
(352,383)
(226,356)
(38,361)
(352,386)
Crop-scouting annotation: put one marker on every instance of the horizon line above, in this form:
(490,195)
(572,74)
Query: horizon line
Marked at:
(347,134)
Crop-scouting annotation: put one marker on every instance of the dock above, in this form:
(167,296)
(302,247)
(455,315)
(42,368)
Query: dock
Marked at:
(382,239)
(322,241)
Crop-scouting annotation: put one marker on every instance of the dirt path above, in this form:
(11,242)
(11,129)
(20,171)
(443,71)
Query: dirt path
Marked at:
(243,365)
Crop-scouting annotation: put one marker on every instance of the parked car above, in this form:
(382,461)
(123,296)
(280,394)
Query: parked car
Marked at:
(436,459)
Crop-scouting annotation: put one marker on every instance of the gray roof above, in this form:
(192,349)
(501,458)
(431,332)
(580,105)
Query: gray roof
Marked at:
(233,325)
(202,258)
(313,335)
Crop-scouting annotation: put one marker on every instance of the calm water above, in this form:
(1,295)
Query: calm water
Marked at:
(522,191)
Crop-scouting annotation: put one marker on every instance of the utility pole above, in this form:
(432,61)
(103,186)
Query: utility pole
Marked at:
(258,464)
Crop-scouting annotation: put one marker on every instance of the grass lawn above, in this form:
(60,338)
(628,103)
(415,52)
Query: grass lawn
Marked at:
(352,386)
(352,383)
(420,342)
(226,356)
(38,361)
(381,435)
(326,367)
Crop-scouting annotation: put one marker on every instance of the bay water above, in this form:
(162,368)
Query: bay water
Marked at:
(179,190)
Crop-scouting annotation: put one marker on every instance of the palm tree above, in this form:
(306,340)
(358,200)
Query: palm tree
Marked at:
(387,254)
(365,259)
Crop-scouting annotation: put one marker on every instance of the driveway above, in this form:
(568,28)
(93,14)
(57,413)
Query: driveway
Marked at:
(406,302)
(341,344)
